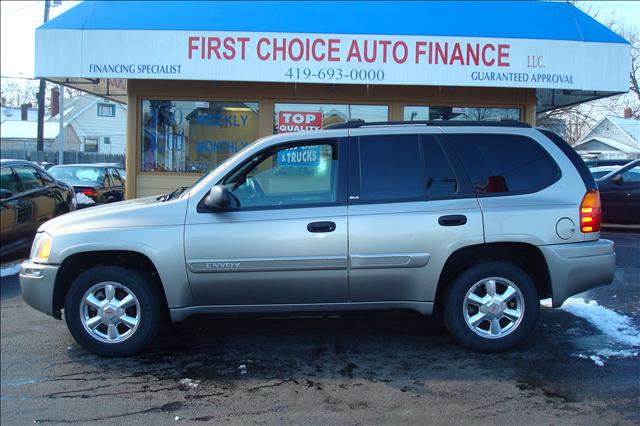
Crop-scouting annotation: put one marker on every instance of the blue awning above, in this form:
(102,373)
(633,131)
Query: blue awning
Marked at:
(554,47)
(496,19)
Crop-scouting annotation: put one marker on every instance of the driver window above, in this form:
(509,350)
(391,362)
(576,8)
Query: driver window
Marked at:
(304,174)
(632,175)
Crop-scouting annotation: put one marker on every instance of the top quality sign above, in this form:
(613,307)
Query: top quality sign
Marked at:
(333,58)
(289,121)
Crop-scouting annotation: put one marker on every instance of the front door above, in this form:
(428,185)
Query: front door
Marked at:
(285,239)
(621,198)
(410,207)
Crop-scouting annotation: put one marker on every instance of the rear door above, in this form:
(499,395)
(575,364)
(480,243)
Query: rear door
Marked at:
(9,211)
(410,206)
(37,201)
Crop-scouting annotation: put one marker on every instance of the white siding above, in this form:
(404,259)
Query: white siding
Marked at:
(89,124)
(607,129)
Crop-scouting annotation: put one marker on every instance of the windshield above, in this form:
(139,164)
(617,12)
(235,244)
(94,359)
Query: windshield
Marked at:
(79,175)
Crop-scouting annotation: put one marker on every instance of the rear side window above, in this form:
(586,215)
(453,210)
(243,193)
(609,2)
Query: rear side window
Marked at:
(396,168)
(391,168)
(8,180)
(505,164)
(29,177)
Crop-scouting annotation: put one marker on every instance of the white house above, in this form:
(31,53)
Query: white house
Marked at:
(20,134)
(612,138)
(94,125)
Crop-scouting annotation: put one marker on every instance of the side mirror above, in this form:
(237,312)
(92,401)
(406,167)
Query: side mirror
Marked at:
(5,193)
(219,198)
(617,179)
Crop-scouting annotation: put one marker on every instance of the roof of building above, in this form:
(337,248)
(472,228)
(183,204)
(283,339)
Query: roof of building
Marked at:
(611,142)
(76,106)
(15,113)
(504,19)
(27,130)
(630,126)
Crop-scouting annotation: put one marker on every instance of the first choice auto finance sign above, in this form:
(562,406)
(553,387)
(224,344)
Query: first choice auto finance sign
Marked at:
(332,58)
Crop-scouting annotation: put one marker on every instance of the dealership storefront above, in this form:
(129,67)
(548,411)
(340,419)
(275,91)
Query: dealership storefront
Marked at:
(204,79)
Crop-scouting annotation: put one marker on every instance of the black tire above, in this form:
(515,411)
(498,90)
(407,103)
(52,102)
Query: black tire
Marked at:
(150,303)
(454,305)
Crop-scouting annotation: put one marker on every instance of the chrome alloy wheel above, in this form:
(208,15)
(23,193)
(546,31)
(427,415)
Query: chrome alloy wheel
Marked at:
(493,307)
(110,312)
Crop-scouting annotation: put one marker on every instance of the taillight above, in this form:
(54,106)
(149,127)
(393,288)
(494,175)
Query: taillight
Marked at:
(590,212)
(89,192)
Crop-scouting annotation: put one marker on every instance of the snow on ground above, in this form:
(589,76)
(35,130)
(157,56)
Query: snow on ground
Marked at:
(83,199)
(10,270)
(616,325)
(613,324)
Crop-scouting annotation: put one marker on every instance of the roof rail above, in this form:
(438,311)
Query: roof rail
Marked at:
(357,123)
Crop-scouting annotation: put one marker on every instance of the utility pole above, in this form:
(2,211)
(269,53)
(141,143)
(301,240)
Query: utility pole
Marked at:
(43,87)
(61,133)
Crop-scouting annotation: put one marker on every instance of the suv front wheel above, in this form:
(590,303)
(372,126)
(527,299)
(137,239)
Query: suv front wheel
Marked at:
(113,311)
(491,307)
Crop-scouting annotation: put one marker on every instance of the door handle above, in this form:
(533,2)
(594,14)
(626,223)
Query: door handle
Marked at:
(321,227)
(452,220)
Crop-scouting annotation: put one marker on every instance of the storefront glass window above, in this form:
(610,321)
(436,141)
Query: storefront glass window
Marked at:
(298,117)
(194,136)
(413,113)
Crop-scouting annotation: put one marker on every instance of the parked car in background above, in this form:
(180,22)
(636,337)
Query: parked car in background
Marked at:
(102,183)
(44,164)
(478,221)
(620,194)
(601,171)
(119,167)
(29,196)
(612,162)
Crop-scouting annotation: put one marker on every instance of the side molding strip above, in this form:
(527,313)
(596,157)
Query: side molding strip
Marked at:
(389,260)
(302,263)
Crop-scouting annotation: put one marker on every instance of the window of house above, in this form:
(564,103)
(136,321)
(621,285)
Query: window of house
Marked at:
(107,140)
(106,110)
(91,145)
(500,164)
(300,117)
(415,113)
(299,175)
(194,136)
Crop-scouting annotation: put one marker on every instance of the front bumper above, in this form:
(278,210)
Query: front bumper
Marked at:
(37,282)
(578,267)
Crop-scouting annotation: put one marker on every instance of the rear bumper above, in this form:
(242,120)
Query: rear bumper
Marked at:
(578,267)
(37,283)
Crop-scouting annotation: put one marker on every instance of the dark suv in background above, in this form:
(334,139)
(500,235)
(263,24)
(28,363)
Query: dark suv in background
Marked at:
(29,196)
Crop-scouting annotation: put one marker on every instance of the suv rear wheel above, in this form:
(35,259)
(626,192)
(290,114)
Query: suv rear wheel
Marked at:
(491,307)
(113,311)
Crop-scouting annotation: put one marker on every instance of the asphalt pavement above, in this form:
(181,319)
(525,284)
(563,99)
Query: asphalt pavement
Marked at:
(373,368)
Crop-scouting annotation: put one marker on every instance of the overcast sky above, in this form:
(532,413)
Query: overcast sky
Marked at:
(21,18)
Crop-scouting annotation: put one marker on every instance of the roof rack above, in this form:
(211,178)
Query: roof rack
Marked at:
(357,123)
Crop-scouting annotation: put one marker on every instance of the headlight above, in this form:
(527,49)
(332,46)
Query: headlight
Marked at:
(41,248)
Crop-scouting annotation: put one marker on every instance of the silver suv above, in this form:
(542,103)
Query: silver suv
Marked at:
(476,221)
